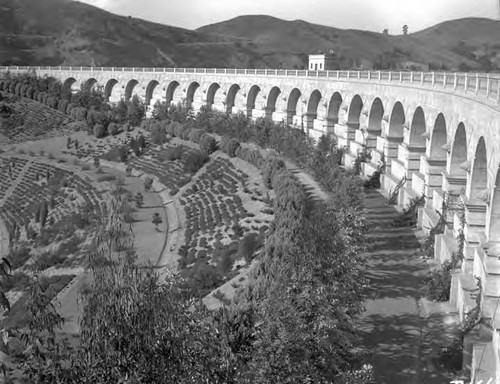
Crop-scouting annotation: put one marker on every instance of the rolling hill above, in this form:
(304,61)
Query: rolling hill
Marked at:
(466,43)
(65,32)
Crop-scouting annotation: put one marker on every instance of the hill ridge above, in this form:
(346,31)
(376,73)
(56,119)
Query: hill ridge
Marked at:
(64,32)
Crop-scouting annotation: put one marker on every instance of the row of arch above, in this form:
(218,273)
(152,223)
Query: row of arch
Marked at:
(440,145)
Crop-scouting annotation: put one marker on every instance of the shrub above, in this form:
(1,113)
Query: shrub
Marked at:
(148,183)
(17,89)
(30,92)
(247,246)
(185,133)
(195,135)
(195,161)
(272,166)
(113,129)
(52,102)
(178,129)
(438,283)
(173,153)
(252,156)
(62,105)
(158,135)
(99,131)
(79,113)
(97,117)
(208,143)
(69,108)
(230,146)
(127,127)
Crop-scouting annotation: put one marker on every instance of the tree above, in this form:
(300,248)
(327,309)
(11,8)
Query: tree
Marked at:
(405,29)
(157,219)
(139,200)
(128,170)
(135,111)
(5,272)
(44,210)
(148,183)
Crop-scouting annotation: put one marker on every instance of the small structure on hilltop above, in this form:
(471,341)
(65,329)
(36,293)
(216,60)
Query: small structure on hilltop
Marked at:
(322,61)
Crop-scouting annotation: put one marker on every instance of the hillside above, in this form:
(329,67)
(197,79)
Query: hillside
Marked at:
(460,43)
(65,32)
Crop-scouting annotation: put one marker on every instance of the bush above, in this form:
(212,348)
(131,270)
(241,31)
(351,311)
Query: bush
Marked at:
(170,128)
(195,135)
(252,156)
(79,113)
(173,153)
(195,161)
(97,117)
(127,127)
(208,143)
(99,131)
(52,102)
(438,283)
(158,135)
(230,146)
(63,105)
(113,129)
(247,246)
(273,165)
(185,133)
(30,92)
(178,129)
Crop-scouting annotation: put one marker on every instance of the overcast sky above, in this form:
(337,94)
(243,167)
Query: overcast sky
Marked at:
(373,15)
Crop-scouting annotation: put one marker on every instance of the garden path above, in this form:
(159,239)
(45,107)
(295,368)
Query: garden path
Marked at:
(401,330)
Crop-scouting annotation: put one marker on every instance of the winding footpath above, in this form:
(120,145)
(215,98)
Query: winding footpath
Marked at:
(401,330)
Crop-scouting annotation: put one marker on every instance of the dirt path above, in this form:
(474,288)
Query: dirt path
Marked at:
(4,239)
(400,329)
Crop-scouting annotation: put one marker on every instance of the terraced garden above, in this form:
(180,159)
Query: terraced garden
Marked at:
(65,192)
(38,122)
(52,241)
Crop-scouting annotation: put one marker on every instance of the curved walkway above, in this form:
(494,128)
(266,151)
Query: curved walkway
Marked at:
(401,330)
(4,239)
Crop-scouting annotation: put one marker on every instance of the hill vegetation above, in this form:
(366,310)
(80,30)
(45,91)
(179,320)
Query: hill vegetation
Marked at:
(65,32)
(295,320)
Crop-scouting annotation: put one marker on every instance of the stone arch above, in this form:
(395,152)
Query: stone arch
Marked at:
(312,108)
(334,108)
(479,176)
(271,101)
(108,88)
(67,86)
(89,83)
(493,228)
(150,88)
(417,129)
(396,121)
(129,89)
(439,139)
(376,115)
(171,88)
(459,152)
(291,108)
(251,97)
(193,87)
(231,96)
(212,90)
(354,114)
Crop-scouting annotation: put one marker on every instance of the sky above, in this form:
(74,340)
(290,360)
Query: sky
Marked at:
(374,15)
